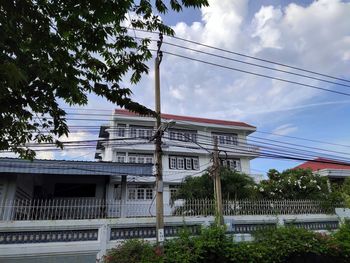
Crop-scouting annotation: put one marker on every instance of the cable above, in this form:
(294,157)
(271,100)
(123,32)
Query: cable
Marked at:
(253,64)
(257,74)
(248,56)
(258,131)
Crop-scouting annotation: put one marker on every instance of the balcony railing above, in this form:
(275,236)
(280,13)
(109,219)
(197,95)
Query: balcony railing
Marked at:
(64,209)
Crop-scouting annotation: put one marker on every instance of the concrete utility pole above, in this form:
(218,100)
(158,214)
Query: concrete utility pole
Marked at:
(217,184)
(158,144)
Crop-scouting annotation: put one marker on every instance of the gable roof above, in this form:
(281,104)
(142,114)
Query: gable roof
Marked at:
(191,119)
(322,163)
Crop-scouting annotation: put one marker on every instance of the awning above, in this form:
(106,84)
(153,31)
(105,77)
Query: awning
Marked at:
(63,167)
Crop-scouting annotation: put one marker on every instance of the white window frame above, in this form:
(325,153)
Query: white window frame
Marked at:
(188,164)
(180,161)
(172,162)
(120,131)
(140,159)
(133,132)
(121,157)
(172,135)
(148,159)
(148,193)
(132,159)
(195,162)
(141,133)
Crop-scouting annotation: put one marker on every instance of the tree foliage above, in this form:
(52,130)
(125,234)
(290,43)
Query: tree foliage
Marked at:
(59,50)
(293,184)
(234,185)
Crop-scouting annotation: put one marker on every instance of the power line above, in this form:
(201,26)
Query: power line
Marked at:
(256,65)
(257,74)
(250,57)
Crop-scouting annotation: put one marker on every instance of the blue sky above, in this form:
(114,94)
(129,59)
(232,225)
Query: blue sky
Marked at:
(307,34)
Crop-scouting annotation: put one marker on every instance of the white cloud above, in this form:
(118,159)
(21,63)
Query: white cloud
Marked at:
(49,155)
(285,129)
(314,37)
(77,152)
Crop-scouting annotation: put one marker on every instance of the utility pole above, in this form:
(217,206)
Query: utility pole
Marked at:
(158,145)
(217,184)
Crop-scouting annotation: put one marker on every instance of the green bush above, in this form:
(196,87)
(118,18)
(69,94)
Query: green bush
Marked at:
(210,246)
(287,244)
(133,251)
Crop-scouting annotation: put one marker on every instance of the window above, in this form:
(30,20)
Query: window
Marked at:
(195,163)
(121,157)
(149,159)
(222,139)
(180,163)
(194,137)
(148,133)
(173,190)
(183,162)
(172,162)
(121,130)
(133,132)
(141,192)
(141,133)
(117,193)
(131,194)
(149,194)
(225,138)
(132,159)
(179,136)
(172,135)
(188,164)
(232,164)
(140,160)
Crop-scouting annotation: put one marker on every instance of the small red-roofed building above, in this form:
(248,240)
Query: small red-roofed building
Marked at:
(333,169)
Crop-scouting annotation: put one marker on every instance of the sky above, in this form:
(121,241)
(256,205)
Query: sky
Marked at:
(313,35)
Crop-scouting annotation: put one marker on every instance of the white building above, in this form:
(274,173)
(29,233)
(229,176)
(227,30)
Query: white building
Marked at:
(187,147)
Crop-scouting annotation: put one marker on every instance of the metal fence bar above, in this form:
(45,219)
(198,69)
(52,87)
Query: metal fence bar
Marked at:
(86,208)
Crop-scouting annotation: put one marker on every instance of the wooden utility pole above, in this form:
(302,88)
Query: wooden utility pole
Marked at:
(217,184)
(158,153)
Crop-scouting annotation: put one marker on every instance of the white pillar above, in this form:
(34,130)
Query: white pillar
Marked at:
(103,237)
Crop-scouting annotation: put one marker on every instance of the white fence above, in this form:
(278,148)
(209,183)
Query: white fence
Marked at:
(63,209)
(254,207)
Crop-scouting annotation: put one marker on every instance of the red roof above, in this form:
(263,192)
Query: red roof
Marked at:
(322,163)
(188,118)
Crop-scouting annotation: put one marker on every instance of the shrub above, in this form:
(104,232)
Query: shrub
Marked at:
(286,244)
(342,237)
(133,251)
(210,246)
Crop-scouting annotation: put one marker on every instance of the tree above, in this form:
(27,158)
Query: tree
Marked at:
(234,186)
(293,184)
(61,50)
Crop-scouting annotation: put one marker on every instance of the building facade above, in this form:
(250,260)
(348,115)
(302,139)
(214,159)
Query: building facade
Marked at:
(187,149)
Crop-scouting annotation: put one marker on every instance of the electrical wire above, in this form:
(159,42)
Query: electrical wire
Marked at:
(248,56)
(256,74)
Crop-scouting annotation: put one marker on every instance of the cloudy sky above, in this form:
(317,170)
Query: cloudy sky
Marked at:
(314,35)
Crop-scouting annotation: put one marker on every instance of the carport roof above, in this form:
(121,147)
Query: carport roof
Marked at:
(63,167)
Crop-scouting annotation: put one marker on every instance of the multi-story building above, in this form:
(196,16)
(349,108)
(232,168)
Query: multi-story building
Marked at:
(187,149)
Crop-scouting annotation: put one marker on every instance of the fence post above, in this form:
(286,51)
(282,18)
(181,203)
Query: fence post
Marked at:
(103,237)
(343,214)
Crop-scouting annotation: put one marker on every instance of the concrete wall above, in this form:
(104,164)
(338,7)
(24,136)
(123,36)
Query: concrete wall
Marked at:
(78,251)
